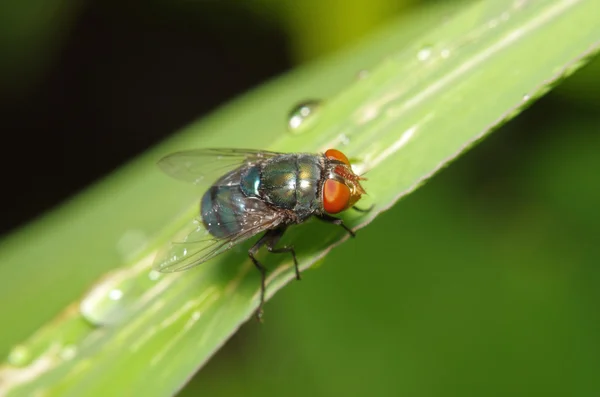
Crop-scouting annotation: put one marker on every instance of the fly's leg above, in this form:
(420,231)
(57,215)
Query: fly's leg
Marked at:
(270,238)
(355,208)
(263,271)
(335,221)
(277,234)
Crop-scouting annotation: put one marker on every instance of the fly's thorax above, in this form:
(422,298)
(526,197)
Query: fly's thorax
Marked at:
(250,181)
(289,182)
(310,171)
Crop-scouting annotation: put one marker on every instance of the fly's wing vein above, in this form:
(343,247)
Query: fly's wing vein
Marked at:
(193,250)
(207,165)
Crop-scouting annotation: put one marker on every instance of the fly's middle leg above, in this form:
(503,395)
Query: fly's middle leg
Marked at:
(277,234)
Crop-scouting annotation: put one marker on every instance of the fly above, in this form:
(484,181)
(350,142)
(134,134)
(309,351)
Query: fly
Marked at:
(256,191)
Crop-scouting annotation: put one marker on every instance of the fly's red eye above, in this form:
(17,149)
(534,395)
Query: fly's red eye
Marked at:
(337,155)
(336,196)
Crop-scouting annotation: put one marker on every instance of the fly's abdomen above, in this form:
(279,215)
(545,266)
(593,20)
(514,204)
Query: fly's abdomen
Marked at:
(219,210)
(226,210)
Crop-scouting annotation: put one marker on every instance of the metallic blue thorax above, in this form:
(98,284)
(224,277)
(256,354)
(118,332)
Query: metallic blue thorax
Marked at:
(287,182)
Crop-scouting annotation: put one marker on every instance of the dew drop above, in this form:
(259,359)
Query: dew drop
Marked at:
(196,315)
(68,352)
(367,114)
(154,275)
(115,297)
(445,53)
(362,74)
(301,114)
(131,243)
(526,97)
(424,54)
(103,305)
(19,356)
(115,294)
(518,4)
(344,140)
(493,23)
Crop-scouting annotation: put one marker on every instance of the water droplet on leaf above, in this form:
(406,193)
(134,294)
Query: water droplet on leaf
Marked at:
(154,275)
(131,243)
(301,114)
(68,352)
(344,140)
(362,74)
(115,296)
(518,4)
(19,356)
(424,54)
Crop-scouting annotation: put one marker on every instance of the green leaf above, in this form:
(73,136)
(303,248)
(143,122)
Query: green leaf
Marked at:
(444,82)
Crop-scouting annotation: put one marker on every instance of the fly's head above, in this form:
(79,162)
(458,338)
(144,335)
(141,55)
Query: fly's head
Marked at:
(341,189)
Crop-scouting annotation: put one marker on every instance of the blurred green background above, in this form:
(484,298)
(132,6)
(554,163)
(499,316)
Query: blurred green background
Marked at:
(482,282)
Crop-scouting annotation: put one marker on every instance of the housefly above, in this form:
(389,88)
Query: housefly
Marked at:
(257,191)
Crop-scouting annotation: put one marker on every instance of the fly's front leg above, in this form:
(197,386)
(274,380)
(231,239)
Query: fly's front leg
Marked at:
(355,208)
(335,221)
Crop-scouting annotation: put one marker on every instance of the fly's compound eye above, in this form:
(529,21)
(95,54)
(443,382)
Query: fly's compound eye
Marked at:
(335,154)
(336,196)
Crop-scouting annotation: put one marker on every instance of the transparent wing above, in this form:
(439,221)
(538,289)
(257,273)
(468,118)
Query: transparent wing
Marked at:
(198,246)
(209,164)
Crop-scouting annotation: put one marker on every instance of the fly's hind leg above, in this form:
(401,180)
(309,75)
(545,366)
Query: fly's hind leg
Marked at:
(270,238)
(263,270)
